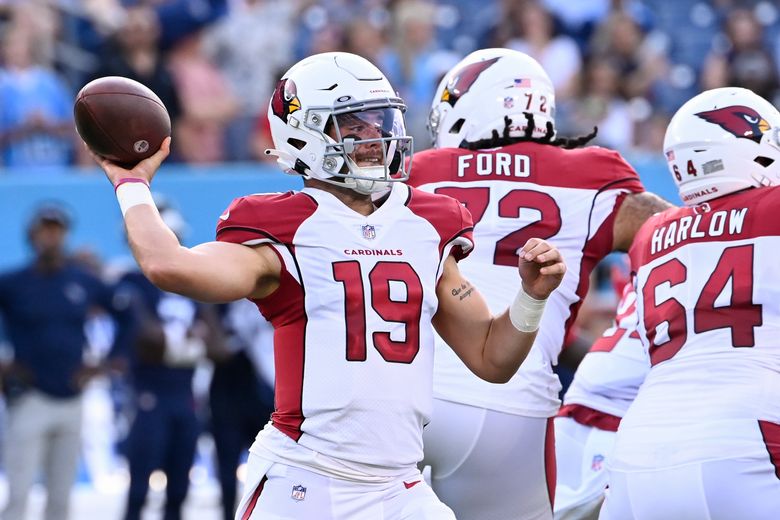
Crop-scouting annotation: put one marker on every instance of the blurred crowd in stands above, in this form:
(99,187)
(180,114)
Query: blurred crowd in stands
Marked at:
(622,65)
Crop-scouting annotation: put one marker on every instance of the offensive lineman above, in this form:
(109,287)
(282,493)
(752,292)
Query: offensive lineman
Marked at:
(493,125)
(702,438)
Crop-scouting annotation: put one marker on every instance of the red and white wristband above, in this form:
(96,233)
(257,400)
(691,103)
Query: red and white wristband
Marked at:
(526,312)
(132,191)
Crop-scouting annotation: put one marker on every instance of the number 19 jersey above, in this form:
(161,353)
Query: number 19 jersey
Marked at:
(516,192)
(353,341)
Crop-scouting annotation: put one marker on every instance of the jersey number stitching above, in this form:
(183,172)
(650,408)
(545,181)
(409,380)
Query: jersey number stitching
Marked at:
(476,200)
(742,316)
(408,311)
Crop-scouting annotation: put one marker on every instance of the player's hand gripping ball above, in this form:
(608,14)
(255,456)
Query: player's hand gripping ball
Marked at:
(121,119)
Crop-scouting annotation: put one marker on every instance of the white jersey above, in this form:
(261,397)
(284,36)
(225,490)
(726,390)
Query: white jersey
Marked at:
(568,197)
(352,316)
(708,285)
(609,376)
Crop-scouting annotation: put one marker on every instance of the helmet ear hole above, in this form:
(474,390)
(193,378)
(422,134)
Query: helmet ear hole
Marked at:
(766,162)
(298,144)
(455,128)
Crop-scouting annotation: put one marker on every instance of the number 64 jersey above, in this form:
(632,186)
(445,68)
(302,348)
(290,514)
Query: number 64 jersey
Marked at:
(353,341)
(708,298)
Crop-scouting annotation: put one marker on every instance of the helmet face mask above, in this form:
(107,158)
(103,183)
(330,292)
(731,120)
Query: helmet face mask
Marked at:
(476,94)
(368,144)
(721,141)
(334,117)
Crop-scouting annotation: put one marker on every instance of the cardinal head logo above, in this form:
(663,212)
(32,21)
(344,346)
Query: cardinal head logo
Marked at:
(739,120)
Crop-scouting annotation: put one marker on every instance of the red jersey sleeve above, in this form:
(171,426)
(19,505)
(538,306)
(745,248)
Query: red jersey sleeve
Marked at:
(596,168)
(449,217)
(256,219)
(618,174)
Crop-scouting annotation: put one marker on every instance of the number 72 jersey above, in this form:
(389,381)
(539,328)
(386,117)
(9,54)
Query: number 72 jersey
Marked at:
(516,192)
(708,299)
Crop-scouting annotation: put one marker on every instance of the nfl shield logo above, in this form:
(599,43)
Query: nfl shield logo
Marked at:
(298,492)
(598,463)
(369,233)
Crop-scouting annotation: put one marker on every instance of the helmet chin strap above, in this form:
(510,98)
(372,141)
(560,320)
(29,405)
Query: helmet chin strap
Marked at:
(369,186)
(298,166)
(281,154)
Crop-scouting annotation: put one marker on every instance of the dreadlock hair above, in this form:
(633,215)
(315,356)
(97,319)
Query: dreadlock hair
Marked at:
(495,140)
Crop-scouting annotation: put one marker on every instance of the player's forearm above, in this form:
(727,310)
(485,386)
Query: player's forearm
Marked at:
(634,211)
(154,246)
(173,268)
(490,346)
(212,272)
(513,332)
(505,349)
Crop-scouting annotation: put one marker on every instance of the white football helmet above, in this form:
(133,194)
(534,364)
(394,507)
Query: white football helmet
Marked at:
(721,141)
(335,117)
(488,84)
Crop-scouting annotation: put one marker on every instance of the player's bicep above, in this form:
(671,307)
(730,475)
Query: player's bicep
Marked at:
(463,318)
(223,271)
(633,212)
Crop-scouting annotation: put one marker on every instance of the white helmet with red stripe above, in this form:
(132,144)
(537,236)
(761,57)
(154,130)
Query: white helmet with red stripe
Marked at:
(476,94)
(335,117)
(721,141)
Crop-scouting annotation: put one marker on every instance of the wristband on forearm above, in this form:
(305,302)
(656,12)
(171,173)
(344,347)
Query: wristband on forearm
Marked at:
(131,192)
(525,313)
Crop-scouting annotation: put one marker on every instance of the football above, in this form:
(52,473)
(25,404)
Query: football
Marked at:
(121,119)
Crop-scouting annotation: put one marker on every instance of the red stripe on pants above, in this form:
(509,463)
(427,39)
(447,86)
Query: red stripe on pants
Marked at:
(253,502)
(771,434)
(589,417)
(550,468)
